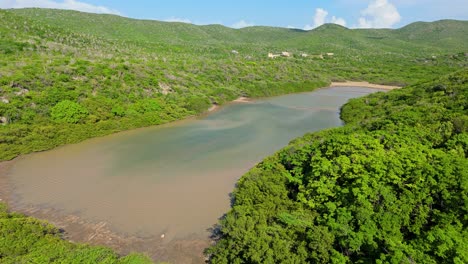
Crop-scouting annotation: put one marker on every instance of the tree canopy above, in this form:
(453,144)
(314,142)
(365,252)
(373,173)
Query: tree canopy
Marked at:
(389,187)
(68,112)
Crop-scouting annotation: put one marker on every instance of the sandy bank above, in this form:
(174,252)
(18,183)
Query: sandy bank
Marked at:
(242,99)
(364,84)
(213,108)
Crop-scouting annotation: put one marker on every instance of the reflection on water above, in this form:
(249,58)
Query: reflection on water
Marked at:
(173,179)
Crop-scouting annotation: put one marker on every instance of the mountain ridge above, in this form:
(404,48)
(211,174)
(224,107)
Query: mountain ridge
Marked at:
(439,21)
(116,27)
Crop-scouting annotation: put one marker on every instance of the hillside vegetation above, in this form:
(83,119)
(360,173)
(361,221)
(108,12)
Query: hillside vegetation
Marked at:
(389,187)
(66,76)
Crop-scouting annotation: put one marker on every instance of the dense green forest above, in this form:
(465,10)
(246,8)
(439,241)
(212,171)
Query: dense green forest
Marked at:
(66,76)
(391,186)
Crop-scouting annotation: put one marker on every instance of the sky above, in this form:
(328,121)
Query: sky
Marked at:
(302,14)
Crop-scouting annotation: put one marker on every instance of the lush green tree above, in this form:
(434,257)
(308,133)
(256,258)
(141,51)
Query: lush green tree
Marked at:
(68,112)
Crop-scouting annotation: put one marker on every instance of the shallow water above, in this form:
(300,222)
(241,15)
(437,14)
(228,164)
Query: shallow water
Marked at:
(173,179)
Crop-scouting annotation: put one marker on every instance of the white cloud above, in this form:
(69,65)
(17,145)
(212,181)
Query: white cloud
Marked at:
(320,18)
(242,24)
(178,19)
(339,21)
(379,14)
(66,4)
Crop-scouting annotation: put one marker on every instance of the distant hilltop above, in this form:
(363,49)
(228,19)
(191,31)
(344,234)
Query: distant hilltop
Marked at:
(449,34)
(66,76)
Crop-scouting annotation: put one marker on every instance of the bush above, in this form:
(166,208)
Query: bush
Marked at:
(68,112)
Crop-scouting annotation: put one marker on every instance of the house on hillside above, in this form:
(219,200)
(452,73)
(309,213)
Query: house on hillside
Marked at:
(330,54)
(304,55)
(286,54)
(234,52)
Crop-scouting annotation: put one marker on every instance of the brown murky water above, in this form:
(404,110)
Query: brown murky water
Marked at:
(174,179)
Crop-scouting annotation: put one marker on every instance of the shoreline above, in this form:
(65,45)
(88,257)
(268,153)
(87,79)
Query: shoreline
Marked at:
(213,108)
(364,84)
(242,100)
(76,229)
(5,192)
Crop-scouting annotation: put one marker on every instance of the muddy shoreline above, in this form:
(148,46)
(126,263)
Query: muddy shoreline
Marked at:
(5,190)
(78,230)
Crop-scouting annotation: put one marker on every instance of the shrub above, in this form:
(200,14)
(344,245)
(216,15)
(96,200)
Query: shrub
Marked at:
(68,112)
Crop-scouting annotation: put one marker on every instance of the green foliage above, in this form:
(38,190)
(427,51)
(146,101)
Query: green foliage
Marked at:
(68,112)
(9,47)
(118,110)
(391,186)
(146,106)
(125,73)
(198,103)
(27,240)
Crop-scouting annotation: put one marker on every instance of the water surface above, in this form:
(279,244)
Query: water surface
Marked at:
(173,179)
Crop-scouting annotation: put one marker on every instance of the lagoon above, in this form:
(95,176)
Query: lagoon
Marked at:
(171,181)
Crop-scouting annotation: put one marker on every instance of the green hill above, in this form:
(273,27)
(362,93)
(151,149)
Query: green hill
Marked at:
(124,73)
(449,34)
(148,31)
(67,76)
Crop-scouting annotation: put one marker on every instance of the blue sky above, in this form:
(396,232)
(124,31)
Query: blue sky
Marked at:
(304,14)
